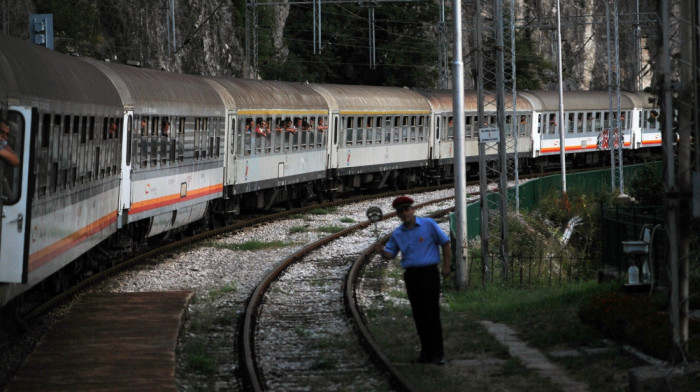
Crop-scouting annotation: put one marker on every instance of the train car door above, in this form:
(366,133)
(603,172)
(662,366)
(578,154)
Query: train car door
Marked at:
(230,159)
(16,203)
(125,186)
(333,142)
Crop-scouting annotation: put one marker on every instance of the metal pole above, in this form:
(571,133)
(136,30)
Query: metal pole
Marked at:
(562,140)
(314,27)
(670,188)
(501,119)
(462,270)
(610,100)
(514,121)
(172,24)
(620,136)
(372,58)
(482,146)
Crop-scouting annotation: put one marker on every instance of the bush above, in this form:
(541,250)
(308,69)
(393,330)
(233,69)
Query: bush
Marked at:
(632,319)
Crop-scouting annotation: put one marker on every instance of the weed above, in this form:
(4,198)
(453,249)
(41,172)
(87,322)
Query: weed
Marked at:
(198,358)
(330,229)
(298,229)
(219,292)
(347,219)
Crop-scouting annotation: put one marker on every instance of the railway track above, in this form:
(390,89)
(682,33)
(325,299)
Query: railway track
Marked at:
(302,326)
(31,311)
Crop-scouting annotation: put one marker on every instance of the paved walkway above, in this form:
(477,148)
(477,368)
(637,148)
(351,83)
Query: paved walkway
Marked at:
(109,342)
(533,358)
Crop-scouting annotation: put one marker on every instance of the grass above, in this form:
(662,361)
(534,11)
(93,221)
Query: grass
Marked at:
(330,229)
(198,358)
(252,245)
(298,229)
(545,318)
(347,219)
(220,291)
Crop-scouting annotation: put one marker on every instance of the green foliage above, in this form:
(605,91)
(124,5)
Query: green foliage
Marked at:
(218,292)
(198,358)
(404,45)
(298,229)
(252,245)
(635,319)
(330,229)
(76,25)
(347,219)
(646,187)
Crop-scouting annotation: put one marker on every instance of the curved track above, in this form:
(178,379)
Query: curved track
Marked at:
(295,332)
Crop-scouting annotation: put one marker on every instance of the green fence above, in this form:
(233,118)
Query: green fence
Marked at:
(534,191)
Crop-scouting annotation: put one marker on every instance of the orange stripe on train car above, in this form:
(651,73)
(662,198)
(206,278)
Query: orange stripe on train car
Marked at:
(174,198)
(43,256)
(647,142)
(569,148)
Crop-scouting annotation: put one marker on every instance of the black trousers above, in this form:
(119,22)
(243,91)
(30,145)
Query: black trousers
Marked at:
(423,288)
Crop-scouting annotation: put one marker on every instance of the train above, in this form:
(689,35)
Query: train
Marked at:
(112,156)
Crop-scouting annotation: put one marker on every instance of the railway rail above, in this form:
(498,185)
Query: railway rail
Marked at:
(295,331)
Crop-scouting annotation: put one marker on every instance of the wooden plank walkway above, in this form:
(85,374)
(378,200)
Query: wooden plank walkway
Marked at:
(109,342)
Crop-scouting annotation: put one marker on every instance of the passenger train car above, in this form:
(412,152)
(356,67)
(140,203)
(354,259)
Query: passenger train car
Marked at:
(112,155)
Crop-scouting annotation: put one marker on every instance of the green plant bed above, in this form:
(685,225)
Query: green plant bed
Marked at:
(636,319)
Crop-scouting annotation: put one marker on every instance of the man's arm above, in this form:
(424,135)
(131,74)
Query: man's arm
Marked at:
(385,254)
(447,256)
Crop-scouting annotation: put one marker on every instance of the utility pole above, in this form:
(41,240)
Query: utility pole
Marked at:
(462,266)
(562,128)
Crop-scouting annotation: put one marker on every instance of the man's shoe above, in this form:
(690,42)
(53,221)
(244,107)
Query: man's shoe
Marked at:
(439,362)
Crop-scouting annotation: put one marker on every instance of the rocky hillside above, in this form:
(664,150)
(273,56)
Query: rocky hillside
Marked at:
(210,39)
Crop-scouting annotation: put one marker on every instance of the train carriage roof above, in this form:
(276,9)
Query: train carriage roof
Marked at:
(351,99)
(152,91)
(574,100)
(37,76)
(271,96)
(441,101)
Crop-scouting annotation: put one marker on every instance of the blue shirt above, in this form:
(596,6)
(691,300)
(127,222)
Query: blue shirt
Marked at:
(419,245)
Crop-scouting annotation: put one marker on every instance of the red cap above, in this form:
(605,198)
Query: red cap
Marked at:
(401,201)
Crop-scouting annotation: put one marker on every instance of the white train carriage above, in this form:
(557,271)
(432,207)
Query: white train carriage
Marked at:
(173,154)
(61,201)
(443,130)
(646,125)
(381,135)
(586,123)
(277,143)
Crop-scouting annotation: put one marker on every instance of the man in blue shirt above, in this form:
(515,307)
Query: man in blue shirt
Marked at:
(419,240)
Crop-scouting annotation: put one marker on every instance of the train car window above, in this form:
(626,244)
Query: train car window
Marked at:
(598,123)
(91,128)
(539,124)
(335,131)
(46,130)
(83,130)
(412,134)
(153,142)
(359,132)
(553,123)
(623,120)
(579,123)
(508,127)
(437,127)
(204,139)
(450,128)
(76,124)
(606,121)
(129,132)
(570,123)
(12,181)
